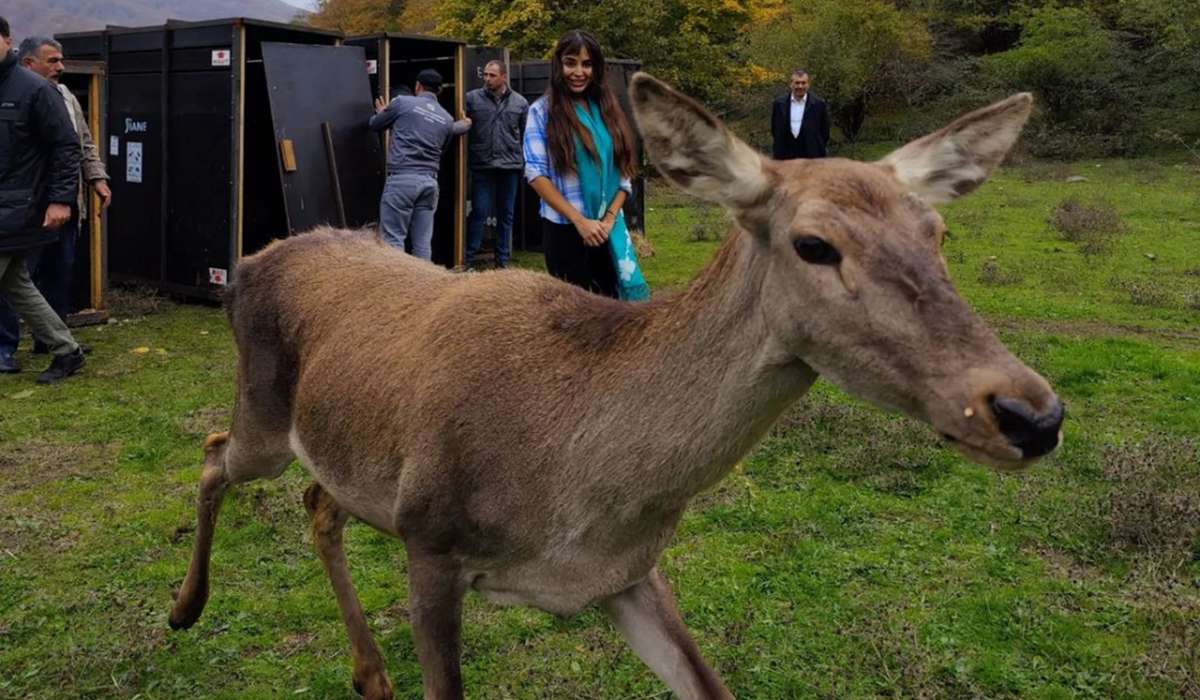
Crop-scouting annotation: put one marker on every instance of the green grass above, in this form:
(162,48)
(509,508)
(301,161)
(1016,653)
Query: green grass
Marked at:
(849,556)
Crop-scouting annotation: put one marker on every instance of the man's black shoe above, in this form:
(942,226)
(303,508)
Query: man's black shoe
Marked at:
(9,365)
(62,367)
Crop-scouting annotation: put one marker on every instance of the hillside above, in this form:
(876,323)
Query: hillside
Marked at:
(55,16)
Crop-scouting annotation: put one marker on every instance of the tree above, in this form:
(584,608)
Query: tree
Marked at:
(1076,66)
(370,16)
(690,43)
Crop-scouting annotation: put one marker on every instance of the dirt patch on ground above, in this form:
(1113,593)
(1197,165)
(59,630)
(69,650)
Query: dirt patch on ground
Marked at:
(294,644)
(1064,566)
(28,464)
(1091,329)
(207,420)
(22,534)
(1171,606)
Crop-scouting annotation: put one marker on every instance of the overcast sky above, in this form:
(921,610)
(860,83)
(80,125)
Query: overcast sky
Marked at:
(303,4)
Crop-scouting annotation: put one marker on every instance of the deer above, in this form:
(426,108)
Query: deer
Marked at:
(556,477)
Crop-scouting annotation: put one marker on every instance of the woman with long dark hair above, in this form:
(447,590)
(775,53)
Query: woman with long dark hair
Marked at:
(579,158)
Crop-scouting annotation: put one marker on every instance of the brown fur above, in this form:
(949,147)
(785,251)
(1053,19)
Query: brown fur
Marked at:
(538,443)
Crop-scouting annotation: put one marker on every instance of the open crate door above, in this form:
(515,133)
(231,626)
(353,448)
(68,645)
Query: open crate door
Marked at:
(330,163)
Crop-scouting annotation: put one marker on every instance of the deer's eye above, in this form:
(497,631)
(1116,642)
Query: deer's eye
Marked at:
(816,251)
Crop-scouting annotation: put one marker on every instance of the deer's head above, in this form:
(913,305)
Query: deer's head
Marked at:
(855,284)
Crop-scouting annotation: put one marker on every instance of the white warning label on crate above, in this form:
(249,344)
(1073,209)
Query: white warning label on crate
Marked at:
(133,161)
(114,146)
(220,57)
(372,67)
(217,275)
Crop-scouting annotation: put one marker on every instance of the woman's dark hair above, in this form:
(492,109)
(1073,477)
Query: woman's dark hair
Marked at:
(563,125)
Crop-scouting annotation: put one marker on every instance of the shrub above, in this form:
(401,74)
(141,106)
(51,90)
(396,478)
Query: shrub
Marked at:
(711,224)
(1080,222)
(1144,292)
(1154,505)
(992,273)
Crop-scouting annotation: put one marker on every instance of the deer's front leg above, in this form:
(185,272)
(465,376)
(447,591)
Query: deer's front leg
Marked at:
(435,592)
(193,594)
(647,616)
(328,521)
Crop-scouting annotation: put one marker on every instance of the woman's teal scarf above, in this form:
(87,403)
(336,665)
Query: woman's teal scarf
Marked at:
(600,182)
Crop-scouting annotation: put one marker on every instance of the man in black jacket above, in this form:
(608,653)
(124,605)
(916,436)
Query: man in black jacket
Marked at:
(39,181)
(799,122)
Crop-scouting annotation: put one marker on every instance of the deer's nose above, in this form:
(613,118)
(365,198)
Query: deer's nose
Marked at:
(1035,435)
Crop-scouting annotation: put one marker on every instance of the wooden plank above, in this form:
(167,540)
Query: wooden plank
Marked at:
(334,180)
(385,88)
(87,317)
(460,195)
(239,145)
(95,215)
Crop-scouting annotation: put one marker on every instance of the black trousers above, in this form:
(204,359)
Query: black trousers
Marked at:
(568,259)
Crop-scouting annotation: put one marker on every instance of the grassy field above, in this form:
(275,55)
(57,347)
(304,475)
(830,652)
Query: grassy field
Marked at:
(849,556)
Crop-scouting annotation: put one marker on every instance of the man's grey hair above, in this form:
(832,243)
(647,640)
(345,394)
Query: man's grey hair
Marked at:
(497,63)
(32,44)
(799,72)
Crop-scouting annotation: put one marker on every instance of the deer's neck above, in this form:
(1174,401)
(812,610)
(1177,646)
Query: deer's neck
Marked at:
(708,377)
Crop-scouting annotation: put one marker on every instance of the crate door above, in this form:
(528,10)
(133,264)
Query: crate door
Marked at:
(310,86)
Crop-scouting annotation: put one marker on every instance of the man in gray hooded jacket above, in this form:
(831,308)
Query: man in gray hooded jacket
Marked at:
(421,130)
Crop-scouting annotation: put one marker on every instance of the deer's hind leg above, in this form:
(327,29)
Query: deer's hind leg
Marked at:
(257,447)
(328,521)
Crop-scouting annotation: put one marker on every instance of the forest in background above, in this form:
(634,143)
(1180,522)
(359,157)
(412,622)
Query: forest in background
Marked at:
(1112,77)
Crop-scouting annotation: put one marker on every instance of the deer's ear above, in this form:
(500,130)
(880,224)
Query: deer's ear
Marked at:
(961,156)
(694,150)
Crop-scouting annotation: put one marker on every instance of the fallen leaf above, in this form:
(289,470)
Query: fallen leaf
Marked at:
(142,350)
(22,394)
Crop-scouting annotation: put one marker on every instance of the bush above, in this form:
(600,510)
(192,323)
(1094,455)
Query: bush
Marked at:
(1095,226)
(1144,292)
(711,224)
(992,273)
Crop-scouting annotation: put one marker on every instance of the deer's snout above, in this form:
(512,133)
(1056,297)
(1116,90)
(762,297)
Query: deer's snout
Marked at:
(1032,433)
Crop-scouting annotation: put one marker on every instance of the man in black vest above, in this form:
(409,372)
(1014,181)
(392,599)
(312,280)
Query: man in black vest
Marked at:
(497,159)
(799,122)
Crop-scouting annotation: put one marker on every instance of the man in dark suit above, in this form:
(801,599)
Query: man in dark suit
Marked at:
(799,122)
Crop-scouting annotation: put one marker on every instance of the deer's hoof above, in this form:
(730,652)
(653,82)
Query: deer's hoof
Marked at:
(185,612)
(376,686)
(181,621)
